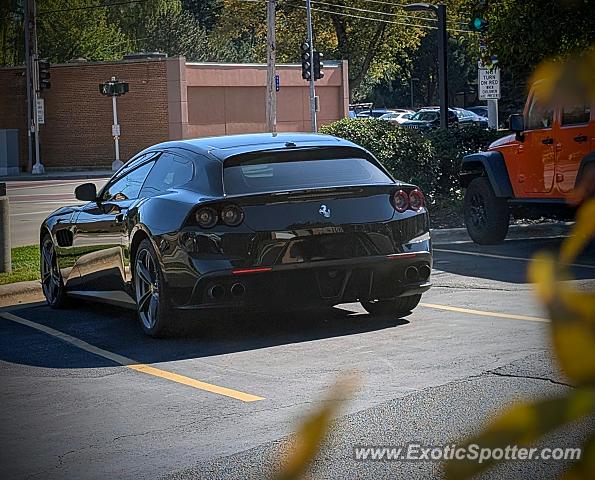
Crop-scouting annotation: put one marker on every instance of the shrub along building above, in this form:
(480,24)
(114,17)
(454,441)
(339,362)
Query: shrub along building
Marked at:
(168,99)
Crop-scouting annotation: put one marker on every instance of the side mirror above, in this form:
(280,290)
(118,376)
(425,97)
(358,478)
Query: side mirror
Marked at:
(516,123)
(86,192)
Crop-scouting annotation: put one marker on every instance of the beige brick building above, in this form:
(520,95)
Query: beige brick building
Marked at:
(168,99)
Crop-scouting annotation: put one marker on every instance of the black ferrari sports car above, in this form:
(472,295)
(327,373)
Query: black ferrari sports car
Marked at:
(238,222)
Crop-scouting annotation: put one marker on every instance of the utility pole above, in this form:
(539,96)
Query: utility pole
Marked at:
(271,100)
(442,65)
(34,56)
(312,90)
(413,79)
(440,11)
(27,33)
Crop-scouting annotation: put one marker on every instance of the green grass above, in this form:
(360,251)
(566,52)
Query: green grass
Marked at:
(25,265)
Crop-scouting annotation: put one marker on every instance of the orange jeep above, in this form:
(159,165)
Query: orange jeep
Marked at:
(531,173)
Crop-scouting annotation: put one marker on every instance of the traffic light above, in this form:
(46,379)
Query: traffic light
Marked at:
(44,74)
(306,65)
(113,88)
(318,66)
(478,24)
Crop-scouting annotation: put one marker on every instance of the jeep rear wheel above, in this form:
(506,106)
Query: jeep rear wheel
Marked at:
(486,216)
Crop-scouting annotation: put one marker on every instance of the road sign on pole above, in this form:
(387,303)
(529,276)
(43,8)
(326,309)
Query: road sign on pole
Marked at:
(40,111)
(114,88)
(489,83)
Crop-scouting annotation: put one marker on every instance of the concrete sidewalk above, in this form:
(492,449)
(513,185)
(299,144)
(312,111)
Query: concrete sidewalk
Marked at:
(59,175)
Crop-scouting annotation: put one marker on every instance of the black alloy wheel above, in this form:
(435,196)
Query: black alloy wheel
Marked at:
(150,292)
(51,277)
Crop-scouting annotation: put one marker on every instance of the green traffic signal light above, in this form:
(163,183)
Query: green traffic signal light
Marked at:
(478,24)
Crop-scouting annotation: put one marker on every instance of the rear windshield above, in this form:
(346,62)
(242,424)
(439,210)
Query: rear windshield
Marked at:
(280,172)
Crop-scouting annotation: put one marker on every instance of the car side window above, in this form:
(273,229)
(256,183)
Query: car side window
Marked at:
(171,171)
(540,115)
(576,114)
(128,186)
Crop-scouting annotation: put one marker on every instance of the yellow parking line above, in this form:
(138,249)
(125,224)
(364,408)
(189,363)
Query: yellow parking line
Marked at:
(508,316)
(132,364)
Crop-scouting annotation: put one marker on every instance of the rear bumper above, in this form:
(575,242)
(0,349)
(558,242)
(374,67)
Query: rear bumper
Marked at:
(327,282)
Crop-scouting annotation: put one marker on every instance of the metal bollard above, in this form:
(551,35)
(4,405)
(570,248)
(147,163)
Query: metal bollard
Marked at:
(5,253)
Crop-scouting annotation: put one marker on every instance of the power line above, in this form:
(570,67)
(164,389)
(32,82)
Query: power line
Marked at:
(391,14)
(361,17)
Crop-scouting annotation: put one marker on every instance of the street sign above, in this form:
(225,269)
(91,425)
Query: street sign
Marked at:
(116,130)
(40,111)
(489,84)
(277,83)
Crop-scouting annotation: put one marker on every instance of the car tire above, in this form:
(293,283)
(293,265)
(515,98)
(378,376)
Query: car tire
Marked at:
(150,292)
(400,306)
(486,216)
(52,283)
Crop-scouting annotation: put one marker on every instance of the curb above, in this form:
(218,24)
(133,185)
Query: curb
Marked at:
(58,176)
(20,292)
(515,232)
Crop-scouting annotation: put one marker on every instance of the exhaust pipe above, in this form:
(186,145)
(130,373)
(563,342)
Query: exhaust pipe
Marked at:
(238,290)
(411,274)
(424,272)
(216,292)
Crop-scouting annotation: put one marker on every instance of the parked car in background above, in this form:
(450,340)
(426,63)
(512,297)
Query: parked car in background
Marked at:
(427,118)
(481,110)
(397,117)
(467,117)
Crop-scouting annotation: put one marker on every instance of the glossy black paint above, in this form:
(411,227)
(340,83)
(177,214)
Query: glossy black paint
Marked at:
(360,252)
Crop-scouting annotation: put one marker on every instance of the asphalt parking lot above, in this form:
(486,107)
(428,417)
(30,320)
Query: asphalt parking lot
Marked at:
(86,395)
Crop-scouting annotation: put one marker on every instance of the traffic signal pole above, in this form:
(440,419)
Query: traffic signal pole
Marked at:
(28,76)
(440,11)
(312,89)
(442,65)
(38,167)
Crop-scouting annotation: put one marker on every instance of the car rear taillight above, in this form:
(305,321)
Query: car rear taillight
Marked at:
(232,215)
(416,200)
(400,201)
(207,217)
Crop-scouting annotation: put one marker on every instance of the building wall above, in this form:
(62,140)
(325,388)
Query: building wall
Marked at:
(229,99)
(168,99)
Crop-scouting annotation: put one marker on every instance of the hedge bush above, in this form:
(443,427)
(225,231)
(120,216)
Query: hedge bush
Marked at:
(429,159)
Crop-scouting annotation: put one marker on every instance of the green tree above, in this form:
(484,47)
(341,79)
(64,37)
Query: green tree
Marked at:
(65,31)
(207,12)
(366,43)
(177,33)
(11,32)
(522,33)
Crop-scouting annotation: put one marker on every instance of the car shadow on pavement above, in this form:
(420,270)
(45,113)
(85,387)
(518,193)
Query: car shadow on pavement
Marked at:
(118,331)
(506,262)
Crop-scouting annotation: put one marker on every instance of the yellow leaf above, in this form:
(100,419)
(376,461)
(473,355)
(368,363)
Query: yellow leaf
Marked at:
(522,425)
(313,430)
(584,468)
(582,233)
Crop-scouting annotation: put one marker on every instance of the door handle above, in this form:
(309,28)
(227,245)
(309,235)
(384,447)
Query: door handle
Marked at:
(548,141)
(580,138)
